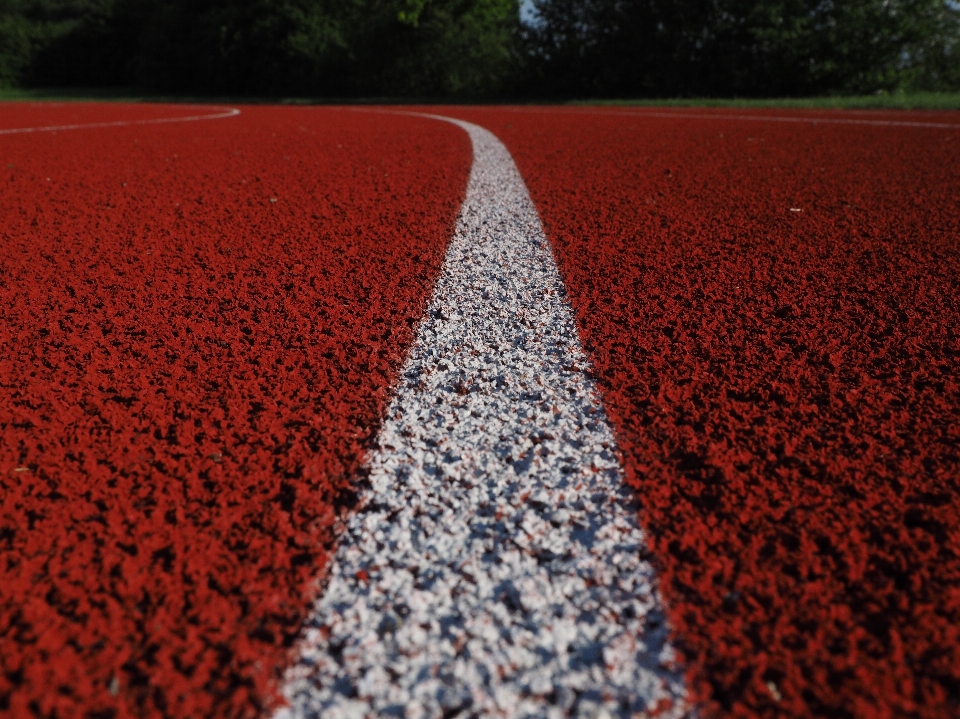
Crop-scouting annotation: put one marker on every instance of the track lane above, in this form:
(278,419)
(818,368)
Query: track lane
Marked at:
(783,385)
(26,118)
(495,566)
(930,119)
(800,504)
(199,326)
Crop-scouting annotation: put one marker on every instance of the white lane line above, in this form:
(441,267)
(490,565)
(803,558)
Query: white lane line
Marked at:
(496,567)
(225,112)
(808,120)
(753,118)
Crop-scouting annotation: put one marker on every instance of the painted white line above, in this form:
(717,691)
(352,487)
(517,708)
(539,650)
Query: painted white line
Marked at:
(225,112)
(750,118)
(807,120)
(496,567)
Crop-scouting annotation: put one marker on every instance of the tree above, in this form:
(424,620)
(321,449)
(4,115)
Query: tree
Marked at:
(433,47)
(744,47)
(232,46)
(476,48)
(262,47)
(15,41)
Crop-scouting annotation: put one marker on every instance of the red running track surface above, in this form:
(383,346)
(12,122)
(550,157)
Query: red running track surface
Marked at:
(784,386)
(31,116)
(199,325)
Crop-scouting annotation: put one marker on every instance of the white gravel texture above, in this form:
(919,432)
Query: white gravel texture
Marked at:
(495,568)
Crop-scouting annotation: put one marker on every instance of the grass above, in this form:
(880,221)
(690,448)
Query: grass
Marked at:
(892,101)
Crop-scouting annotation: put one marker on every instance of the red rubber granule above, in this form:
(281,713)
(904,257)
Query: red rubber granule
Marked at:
(199,327)
(772,313)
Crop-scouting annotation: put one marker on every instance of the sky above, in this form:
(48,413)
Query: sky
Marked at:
(526,10)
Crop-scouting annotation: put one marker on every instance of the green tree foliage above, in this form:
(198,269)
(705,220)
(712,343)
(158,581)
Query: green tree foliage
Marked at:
(476,48)
(231,46)
(261,47)
(15,43)
(69,41)
(433,47)
(743,47)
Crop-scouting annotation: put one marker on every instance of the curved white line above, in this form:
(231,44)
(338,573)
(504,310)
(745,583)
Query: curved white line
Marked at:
(496,566)
(750,118)
(774,118)
(227,112)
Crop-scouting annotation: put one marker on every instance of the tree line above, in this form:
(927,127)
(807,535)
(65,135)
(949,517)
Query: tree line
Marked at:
(483,48)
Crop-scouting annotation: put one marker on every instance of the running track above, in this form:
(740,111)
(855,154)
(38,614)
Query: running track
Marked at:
(201,323)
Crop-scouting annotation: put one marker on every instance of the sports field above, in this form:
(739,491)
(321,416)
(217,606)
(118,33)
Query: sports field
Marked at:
(479,411)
